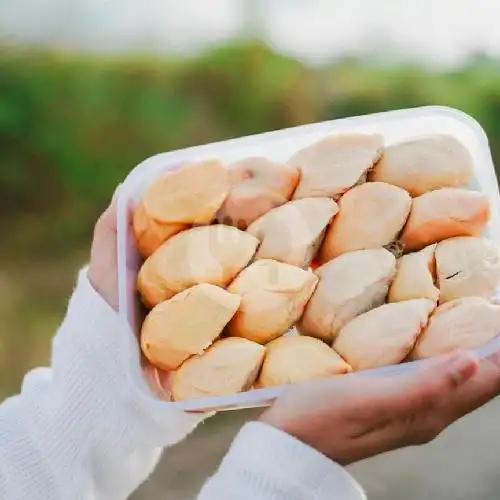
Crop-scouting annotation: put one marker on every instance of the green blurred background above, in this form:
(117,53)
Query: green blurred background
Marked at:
(74,122)
(72,126)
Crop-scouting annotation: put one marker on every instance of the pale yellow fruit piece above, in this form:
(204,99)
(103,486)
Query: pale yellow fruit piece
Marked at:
(415,277)
(257,186)
(151,234)
(186,324)
(425,164)
(189,195)
(230,366)
(385,335)
(370,216)
(334,164)
(467,266)
(274,296)
(293,232)
(295,359)
(348,286)
(465,323)
(445,213)
(206,254)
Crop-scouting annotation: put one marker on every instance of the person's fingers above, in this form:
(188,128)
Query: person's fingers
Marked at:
(483,387)
(423,388)
(494,359)
(106,224)
(414,401)
(372,415)
(406,409)
(447,391)
(370,403)
(104,240)
(448,371)
(103,259)
(436,378)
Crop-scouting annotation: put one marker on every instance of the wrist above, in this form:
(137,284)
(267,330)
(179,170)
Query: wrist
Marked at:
(266,462)
(304,429)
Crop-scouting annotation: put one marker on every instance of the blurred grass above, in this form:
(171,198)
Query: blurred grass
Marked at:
(71,127)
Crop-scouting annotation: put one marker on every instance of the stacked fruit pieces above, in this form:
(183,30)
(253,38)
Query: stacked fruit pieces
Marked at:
(374,253)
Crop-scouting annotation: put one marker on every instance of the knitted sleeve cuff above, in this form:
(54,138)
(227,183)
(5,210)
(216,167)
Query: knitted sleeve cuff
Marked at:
(267,463)
(96,362)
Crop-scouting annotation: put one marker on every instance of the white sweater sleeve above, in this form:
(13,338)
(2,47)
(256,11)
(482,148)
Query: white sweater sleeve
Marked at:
(85,429)
(267,464)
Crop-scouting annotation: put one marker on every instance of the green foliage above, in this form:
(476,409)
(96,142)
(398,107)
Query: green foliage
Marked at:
(72,127)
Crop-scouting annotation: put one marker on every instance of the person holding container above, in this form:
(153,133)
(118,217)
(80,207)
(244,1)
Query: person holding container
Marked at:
(83,428)
(89,427)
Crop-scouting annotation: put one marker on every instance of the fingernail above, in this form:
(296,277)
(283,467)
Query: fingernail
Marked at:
(463,365)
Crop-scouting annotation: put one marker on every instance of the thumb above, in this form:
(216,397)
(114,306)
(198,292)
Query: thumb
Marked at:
(103,266)
(106,225)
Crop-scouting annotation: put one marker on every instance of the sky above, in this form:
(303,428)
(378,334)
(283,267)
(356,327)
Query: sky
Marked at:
(316,31)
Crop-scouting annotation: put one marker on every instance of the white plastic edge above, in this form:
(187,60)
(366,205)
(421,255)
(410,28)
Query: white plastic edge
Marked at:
(264,397)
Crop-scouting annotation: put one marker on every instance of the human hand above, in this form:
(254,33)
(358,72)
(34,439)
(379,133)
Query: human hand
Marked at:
(102,272)
(103,277)
(350,418)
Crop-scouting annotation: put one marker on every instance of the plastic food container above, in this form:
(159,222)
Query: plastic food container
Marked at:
(279,146)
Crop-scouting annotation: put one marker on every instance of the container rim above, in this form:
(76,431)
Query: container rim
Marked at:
(262,397)
(250,140)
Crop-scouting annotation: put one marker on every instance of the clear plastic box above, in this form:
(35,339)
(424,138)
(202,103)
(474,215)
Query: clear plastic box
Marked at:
(279,146)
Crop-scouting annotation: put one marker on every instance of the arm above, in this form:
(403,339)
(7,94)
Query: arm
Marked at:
(83,428)
(293,452)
